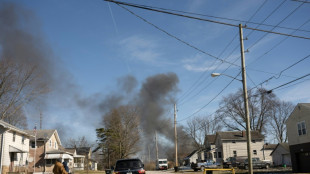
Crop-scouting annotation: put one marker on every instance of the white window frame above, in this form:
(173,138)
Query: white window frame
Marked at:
(50,143)
(254,152)
(55,145)
(301,124)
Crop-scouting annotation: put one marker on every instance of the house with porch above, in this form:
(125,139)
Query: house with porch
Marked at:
(78,160)
(44,149)
(14,148)
(234,143)
(86,152)
(298,133)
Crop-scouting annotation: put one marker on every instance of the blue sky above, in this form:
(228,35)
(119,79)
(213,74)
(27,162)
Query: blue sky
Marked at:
(94,43)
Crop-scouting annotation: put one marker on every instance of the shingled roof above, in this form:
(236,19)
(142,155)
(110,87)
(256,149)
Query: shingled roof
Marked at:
(239,135)
(41,134)
(269,146)
(211,138)
(9,126)
(284,145)
(82,150)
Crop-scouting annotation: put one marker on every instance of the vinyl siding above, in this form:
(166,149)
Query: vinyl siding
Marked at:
(8,140)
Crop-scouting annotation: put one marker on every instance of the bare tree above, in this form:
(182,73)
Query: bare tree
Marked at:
(79,142)
(121,133)
(199,127)
(278,116)
(19,85)
(232,112)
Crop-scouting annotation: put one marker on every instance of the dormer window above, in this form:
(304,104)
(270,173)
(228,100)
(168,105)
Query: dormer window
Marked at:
(301,128)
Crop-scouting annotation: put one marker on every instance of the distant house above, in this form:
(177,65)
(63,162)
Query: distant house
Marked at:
(14,148)
(194,157)
(78,163)
(298,132)
(86,152)
(44,150)
(210,147)
(267,150)
(234,143)
(281,155)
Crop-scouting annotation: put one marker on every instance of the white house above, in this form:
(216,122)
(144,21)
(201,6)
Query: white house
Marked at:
(14,148)
(78,161)
(298,133)
(194,157)
(267,150)
(281,155)
(44,149)
(210,147)
(234,143)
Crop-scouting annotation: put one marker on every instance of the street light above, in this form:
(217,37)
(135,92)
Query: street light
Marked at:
(219,74)
(246,106)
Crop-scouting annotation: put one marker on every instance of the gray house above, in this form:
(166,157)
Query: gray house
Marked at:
(281,155)
(298,133)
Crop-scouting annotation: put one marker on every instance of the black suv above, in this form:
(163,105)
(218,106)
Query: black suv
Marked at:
(129,166)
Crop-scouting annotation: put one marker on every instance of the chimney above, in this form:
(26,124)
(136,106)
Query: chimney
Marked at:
(243,134)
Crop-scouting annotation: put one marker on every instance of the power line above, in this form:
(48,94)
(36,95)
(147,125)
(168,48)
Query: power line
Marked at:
(289,82)
(210,100)
(169,34)
(206,20)
(193,87)
(292,12)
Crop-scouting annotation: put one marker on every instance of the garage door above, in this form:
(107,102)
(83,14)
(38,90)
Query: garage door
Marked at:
(303,162)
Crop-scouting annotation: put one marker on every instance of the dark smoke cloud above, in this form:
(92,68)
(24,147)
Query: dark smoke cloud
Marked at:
(127,84)
(21,41)
(155,97)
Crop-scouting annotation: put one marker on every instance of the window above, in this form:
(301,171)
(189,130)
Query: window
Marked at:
(254,152)
(50,143)
(235,153)
(215,155)
(14,136)
(23,139)
(55,145)
(50,161)
(219,154)
(233,141)
(253,141)
(33,144)
(301,128)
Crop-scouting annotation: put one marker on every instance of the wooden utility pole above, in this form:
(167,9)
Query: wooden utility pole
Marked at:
(246,105)
(156,145)
(175,136)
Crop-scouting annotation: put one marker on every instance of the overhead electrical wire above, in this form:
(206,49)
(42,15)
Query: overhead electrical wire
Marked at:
(224,18)
(292,12)
(289,35)
(276,45)
(193,87)
(202,19)
(289,82)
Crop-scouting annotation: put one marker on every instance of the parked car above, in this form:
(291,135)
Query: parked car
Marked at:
(256,162)
(129,166)
(233,161)
(202,165)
